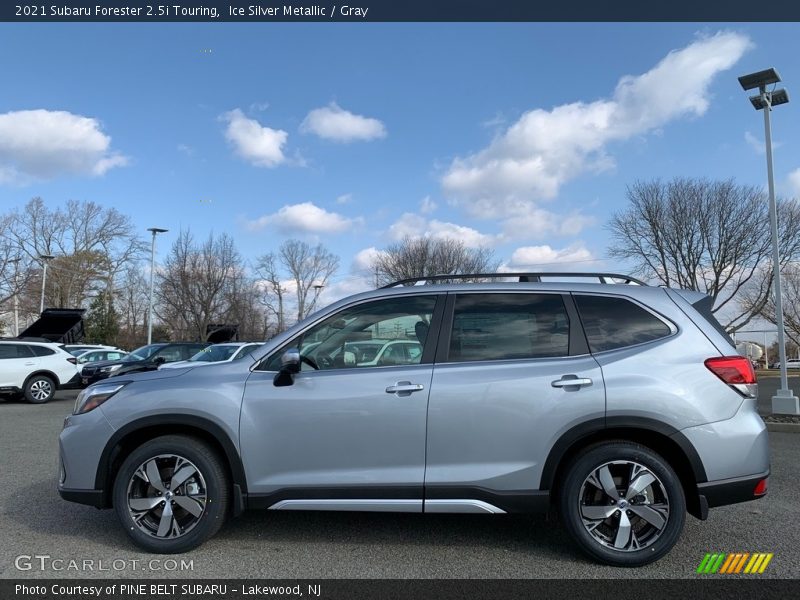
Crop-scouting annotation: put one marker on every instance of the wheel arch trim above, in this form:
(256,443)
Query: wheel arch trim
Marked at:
(580,434)
(187,422)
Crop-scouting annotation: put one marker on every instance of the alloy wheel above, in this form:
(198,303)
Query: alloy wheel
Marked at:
(166,496)
(624,506)
(41,389)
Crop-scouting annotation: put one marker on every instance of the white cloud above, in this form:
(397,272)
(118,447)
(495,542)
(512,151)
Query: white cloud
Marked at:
(529,221)
(427,206)
(538,256)
(259,145)
(794,182)
(362,261)
(334,123)
(344,199)
(304,218)
(186,149)
(42,144)
(535,156)
(757,144)
(416,226)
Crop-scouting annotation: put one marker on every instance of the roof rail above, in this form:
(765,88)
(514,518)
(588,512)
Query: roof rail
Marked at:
(522,277)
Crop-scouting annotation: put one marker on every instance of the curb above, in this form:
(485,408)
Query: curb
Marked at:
(783,427)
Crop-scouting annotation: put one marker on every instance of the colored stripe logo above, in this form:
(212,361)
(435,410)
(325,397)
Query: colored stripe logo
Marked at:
(735,563)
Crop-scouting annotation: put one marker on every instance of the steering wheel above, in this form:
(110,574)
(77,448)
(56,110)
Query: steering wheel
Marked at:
(309,361)
(325,362)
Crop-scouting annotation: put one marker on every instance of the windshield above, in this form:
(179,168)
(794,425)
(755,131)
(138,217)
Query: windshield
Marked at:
(142,353)
(214,354)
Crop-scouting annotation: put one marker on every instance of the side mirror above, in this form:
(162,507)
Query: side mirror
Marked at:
(159,360)
(290,364)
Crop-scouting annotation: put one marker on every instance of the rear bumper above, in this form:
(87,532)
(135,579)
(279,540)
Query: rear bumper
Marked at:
(72,384)
(731,491)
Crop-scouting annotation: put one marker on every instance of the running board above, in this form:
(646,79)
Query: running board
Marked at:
(409,506)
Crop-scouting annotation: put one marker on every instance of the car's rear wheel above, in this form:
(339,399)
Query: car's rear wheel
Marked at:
(623,504)
(39,389)
(171,494)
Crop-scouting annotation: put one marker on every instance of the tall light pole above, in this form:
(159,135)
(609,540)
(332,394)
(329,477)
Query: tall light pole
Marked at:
(784,401)
(155,231)
(45,258)
(16,294)
(317,289)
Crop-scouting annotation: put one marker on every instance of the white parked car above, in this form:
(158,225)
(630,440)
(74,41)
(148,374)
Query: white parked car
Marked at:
(792,363)
(91,356)
(227,352)
(35,369)
(76,349)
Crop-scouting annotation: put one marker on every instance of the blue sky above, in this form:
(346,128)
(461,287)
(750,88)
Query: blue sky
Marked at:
(517,136)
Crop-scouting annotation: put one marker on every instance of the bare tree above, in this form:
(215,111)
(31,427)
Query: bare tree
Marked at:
(132,301)
(710,236)
(790,279)
(310,267)
(92,245)
(296,267)
(421,257)
(274,289)
(194,285)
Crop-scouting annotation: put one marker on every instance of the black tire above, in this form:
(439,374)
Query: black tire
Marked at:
(191,530)
(579,494)
(39,389)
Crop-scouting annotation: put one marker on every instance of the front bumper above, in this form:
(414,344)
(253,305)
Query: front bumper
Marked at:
(94,498)
(81,444)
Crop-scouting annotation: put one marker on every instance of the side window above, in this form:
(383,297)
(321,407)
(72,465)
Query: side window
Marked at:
(171,353)
(508,326)
(15,351)
(616,322)
(190,351)
(359,336)
(113,356)
(41,350)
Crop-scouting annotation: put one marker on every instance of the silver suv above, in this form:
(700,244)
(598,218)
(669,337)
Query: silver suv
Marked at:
(623,406)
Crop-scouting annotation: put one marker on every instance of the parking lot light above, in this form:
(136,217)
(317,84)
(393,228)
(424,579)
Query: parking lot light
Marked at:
(45,258)
(784,401)
(155,231)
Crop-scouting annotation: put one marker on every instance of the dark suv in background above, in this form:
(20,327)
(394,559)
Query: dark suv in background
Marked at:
(146,358)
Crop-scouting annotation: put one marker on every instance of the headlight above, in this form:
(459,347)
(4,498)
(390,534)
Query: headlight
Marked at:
(110,369)
(95,395)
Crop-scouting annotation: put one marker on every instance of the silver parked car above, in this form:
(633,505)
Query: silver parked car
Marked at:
(624,406)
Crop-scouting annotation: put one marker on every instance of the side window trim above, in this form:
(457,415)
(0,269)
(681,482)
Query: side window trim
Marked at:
(578,342)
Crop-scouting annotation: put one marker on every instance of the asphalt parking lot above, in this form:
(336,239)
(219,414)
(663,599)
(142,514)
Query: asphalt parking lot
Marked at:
(34,521)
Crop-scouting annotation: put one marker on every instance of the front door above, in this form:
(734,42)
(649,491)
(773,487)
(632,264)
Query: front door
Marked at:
(348,433)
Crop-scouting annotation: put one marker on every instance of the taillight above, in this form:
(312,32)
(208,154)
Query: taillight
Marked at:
(73,360)
(761,487)
(737,372)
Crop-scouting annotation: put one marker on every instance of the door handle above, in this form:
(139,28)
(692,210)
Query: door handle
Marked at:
(571,381)
(404,388)
(30,364)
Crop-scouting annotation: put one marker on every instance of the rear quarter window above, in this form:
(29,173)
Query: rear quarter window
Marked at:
(42,350)
(612,323)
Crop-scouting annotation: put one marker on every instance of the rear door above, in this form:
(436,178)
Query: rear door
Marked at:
(16,362)
(512,374)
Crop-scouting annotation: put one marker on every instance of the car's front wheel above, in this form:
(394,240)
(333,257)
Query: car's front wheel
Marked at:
(39,389)
(171,494)
(623,504)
